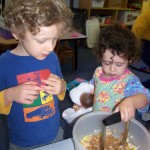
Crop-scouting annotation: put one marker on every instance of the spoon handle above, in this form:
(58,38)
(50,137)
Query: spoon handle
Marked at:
(112,119)
(125,134)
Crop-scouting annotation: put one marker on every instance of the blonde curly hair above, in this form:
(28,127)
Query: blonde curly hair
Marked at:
(28,15)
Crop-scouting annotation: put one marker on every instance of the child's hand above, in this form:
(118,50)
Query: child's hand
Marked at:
(126,108)
(54,85)
(76,107)
(24,93)
(92,92)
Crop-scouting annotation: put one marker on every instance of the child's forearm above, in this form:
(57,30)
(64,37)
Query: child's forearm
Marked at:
(140,101)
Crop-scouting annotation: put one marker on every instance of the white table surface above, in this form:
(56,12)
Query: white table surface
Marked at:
(62,145)
(72,35)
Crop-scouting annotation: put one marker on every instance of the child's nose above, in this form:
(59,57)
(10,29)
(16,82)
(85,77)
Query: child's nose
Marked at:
(50,47)
(112,67)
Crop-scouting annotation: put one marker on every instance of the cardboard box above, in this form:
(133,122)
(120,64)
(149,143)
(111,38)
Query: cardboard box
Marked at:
(99,3)
(127,17)
(116,3)
(102,20)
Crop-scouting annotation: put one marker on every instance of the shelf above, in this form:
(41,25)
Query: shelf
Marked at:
(118,13)
(105,25)
(113,8)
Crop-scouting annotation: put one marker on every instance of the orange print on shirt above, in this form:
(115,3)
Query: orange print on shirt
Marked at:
(38,113)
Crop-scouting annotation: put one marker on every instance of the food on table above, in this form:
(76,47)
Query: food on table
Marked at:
(93,141)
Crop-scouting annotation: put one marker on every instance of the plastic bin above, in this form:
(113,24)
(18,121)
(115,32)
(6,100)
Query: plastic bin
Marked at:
(90,122)
(92,32)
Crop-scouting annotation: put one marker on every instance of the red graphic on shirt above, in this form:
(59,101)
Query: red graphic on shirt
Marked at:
(33,76)
(43,106)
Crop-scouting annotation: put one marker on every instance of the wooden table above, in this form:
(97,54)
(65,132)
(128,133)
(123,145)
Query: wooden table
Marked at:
(74,37)
(7,44)
(62,145)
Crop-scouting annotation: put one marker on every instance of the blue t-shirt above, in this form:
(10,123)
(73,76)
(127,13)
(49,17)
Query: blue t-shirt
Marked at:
(38,123)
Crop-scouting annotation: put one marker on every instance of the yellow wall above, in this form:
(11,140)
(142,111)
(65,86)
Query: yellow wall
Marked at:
(146,4)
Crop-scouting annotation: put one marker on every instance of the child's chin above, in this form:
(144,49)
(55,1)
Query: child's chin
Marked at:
(41,58)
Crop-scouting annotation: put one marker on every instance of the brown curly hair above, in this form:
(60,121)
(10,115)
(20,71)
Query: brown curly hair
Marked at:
(28,15)
(120,40)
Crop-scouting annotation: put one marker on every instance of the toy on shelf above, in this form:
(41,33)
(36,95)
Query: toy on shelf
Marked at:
(137,6)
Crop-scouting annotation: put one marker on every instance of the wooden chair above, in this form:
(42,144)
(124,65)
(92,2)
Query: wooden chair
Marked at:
(64,51)
(7,44)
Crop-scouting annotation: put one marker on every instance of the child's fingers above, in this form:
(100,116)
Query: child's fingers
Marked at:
(32,86)
(53,75)
(116,110)
(28,102)
(51,90)
(126,115)
(47,83)
(31,98)
(30,83)
(92,92)
(123,114)
(53,80)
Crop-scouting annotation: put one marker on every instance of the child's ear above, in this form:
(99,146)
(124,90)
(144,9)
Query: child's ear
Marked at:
(15,35)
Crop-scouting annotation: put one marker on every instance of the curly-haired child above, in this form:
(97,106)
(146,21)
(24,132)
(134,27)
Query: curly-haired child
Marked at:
(116,87)
(30,77)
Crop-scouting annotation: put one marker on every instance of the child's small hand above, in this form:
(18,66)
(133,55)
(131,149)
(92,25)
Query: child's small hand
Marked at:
(54,85)
(76,107)
(92,92)
(127,109)
(24,93)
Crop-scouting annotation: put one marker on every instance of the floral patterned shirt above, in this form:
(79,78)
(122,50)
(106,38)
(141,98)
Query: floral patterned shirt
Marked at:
(109,92)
